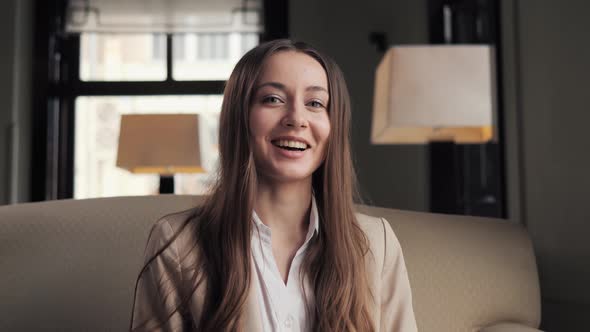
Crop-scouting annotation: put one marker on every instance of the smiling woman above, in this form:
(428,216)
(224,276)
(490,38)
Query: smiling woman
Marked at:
(277,244)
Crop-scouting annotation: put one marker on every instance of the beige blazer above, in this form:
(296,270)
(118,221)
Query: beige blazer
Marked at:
(168,276)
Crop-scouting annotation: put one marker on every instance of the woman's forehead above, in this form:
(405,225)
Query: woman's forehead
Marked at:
(291,68)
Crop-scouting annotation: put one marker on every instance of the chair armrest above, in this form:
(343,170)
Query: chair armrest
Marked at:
(509,327)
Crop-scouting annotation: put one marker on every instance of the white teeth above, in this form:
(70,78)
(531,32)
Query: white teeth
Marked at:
(291,144)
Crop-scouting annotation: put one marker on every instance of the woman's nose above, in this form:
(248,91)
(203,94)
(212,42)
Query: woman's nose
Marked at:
(295,117)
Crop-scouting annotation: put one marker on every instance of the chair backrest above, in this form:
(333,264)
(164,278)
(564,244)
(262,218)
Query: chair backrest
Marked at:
(71,265)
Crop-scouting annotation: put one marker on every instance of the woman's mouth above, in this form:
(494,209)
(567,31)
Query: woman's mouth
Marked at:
(290,145)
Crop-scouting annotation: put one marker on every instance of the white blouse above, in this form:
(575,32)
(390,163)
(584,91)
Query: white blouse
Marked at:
(282,306)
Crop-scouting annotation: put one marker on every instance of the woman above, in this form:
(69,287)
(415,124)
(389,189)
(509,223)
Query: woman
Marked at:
(277,245)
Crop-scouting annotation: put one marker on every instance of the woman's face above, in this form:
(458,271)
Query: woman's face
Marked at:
(289,123)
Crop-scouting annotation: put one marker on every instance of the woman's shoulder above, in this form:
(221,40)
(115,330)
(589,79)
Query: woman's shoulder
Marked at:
(373,227)
(172,232)
(388,275)
(383,242)
(173,222)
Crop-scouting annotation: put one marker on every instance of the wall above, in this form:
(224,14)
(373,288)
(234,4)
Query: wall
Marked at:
(15,94)
(391,176)
(554,61)
(7,25)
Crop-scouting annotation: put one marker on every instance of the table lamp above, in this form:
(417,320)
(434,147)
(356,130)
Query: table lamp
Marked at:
(164,144)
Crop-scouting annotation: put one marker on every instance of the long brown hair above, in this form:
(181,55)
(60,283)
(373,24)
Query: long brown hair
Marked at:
(334,261)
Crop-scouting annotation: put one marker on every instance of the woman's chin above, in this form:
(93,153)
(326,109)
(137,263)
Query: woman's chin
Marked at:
(288,177)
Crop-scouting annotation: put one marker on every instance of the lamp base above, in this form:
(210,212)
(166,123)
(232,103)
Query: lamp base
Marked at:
(166,184)
(465,179)
(445,178)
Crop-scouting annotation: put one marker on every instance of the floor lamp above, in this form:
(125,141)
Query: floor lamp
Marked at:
(165,144)
(438,95)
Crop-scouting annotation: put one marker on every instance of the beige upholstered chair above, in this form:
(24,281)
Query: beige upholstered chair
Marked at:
(71,266)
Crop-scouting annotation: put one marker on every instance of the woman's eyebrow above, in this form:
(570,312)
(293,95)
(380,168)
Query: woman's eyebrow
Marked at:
(316,88)
(281,86)
(277,85)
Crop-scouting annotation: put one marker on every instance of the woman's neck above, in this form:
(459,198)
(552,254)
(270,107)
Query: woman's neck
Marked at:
(284,207)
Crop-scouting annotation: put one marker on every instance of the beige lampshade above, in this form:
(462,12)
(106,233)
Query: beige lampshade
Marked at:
(159,143)
(432,93)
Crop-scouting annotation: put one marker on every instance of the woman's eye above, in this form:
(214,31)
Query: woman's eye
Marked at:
(316,104)
(271,100)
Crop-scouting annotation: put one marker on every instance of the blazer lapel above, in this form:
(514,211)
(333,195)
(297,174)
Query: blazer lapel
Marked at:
(252,311)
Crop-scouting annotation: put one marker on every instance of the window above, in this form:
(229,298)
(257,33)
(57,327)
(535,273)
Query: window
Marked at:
(122,57)
(129,62)
(159,47)
(142,57)
(211,56)
(212,46)
(179,43)
(248,41)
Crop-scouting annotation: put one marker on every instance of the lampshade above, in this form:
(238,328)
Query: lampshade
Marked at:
(159,143)
(432,93)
